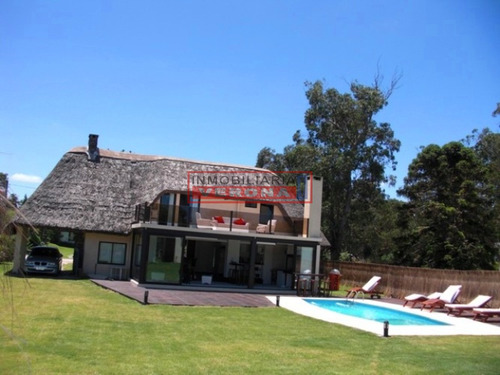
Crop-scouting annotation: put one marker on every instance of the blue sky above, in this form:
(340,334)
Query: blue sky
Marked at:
(219,80)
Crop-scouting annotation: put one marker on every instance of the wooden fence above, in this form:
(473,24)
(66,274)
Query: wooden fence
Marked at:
(401,281)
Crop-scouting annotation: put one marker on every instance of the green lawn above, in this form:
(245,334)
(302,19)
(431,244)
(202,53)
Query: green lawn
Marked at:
(67,252)
(56,326)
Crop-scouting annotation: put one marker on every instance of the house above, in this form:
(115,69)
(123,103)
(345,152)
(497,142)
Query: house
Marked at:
(164,220)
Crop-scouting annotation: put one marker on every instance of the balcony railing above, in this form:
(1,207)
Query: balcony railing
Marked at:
(218,219)
(142,213)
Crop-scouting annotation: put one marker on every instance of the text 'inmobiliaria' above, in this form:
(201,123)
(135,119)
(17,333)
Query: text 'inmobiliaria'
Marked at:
(258,186)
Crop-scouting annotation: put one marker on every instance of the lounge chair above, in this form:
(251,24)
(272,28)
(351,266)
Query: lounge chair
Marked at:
(459,308)
(419,298)
(485,313)
(448,296)
(368,288)
(266,228)
(204,223)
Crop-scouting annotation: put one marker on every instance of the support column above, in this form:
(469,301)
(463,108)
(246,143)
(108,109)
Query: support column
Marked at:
(318,259)
(144,255)
(78,253)
(251,271)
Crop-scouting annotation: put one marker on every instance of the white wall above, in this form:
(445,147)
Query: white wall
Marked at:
(91,251)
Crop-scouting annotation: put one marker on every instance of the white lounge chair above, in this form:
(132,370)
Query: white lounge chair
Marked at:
(485,313)
(264,228)
(448,296)
(368,288)
(459,308)
(204,223)
(419,298)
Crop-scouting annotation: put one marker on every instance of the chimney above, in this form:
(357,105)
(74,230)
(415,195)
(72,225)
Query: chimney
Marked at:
(312,213)
(93,150)
(312,209)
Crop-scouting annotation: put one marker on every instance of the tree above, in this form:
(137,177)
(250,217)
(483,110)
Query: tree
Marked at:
(267,158)
(14,200)
(449,219)
(348,148)
(496,112)
(487,148)
(353,151)
(4,184)
(7,238)
(373,229)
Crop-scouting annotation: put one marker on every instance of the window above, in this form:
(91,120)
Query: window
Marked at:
(112,253)
(250,204)
(305,259)
(166,214)
(188,206)
(164,259)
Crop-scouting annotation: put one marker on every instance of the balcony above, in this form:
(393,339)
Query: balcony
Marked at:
(257,220)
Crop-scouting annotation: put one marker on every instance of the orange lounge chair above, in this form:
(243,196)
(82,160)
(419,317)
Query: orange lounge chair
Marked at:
(448,296)
(419,298)
(459,308)
(368,288)
(485,313)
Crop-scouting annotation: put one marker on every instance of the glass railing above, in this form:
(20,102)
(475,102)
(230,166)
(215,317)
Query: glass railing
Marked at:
(221,219)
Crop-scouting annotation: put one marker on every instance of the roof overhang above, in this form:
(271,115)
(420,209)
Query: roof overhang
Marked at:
(226,235)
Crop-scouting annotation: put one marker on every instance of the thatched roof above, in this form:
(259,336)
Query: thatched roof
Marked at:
(80,194)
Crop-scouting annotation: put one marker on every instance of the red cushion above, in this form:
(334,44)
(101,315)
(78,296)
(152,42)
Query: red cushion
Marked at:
(219,219)
(240,221)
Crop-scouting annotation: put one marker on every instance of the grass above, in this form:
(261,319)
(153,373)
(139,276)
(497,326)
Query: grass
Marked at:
(67,252)
(56,326)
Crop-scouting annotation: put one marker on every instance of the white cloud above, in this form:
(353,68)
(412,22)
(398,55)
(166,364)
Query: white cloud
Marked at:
(20,177)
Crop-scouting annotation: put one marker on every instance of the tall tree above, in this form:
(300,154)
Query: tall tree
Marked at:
(7,213)
(496,112)
(372,231)
(353,151)
(348,148)
(487,148)
(449,219)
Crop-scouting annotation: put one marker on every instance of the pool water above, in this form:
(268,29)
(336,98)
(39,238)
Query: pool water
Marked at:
(371,312)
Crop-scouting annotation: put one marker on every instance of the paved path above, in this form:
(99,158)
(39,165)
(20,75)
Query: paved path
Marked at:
(186,298)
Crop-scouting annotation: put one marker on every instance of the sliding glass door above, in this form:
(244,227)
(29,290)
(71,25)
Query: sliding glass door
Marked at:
(164,259)
(305,259)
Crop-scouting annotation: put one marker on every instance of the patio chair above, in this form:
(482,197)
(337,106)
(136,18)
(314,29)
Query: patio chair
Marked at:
(204,223)
(264,228)
(368,288)
(458,308)
(485,313)
(448,296)
(419,298)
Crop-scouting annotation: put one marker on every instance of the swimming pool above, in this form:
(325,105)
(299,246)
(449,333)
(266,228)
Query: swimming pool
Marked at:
(376,313)
(452,326)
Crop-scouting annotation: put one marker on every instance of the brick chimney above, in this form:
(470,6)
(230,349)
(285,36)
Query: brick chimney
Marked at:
(93,150)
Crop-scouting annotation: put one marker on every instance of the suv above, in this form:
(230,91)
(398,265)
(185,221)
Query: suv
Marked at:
(44,259)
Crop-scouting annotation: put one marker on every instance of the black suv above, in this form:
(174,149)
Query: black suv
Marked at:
(44,259)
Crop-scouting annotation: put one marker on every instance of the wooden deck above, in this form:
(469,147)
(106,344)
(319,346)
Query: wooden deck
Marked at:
(186,297)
